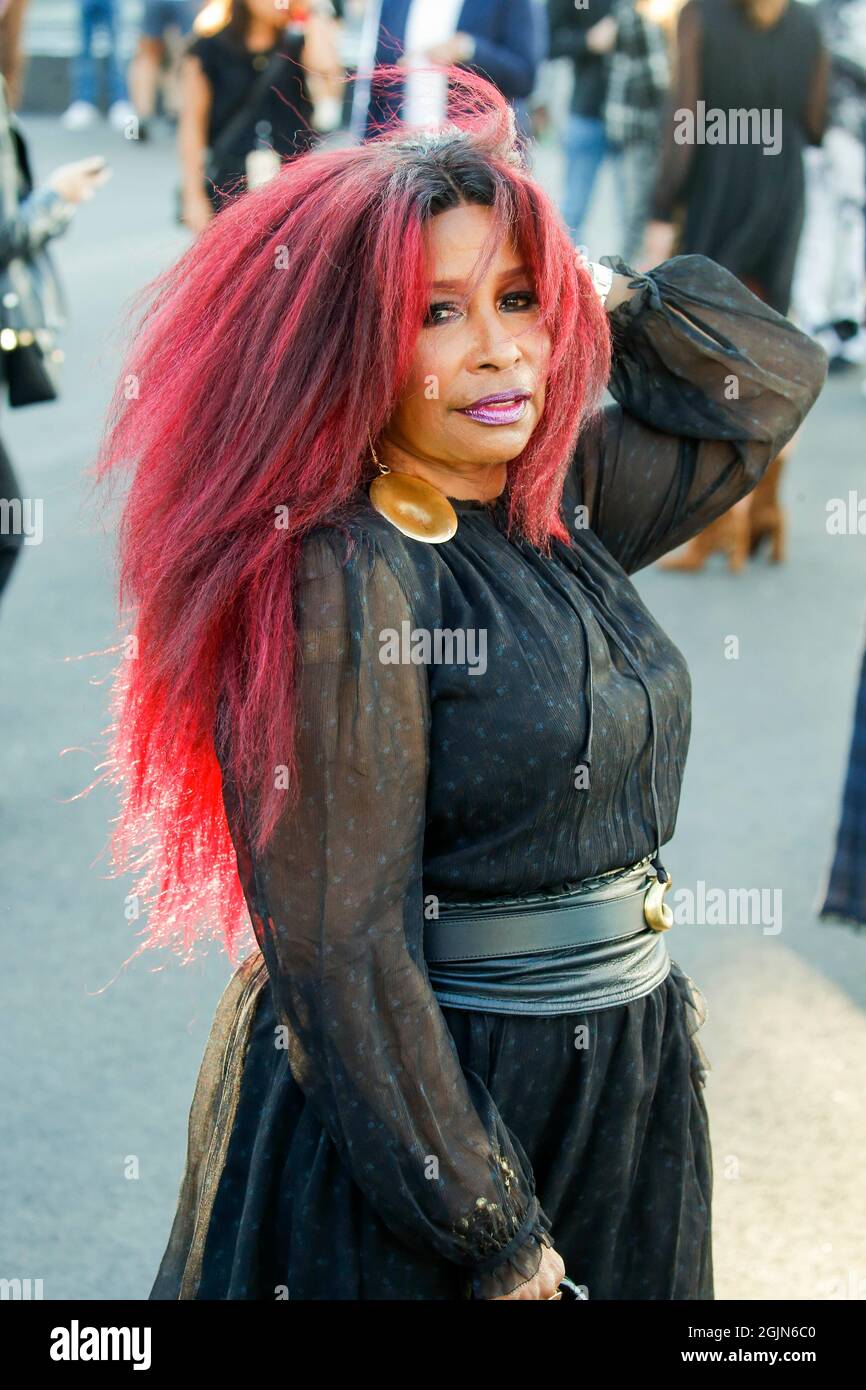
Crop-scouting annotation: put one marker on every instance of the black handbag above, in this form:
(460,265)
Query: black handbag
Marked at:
(31,300)
(30,356)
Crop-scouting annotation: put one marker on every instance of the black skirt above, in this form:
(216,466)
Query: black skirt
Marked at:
(608,1107)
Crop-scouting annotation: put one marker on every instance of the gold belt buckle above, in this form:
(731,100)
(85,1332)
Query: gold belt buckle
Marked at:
(657,914)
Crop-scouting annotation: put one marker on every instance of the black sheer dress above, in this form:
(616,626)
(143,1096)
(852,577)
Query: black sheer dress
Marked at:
(349,1137)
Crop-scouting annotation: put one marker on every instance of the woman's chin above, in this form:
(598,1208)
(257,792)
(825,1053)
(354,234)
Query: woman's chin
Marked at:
(492,443)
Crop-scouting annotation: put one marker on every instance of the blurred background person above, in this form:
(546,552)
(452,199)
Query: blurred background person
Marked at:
(843,894)
(12,49)
(165,24)
(498,38)
(97,18)
(587,36)
(246,101)
(638,83)
(830,281)
(30,297)
(525,107)
(731,201)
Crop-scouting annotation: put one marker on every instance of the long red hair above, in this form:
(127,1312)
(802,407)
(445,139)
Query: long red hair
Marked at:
(265,361)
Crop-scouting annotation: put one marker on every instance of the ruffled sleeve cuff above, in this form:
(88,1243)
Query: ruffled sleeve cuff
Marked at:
(645,300)
(517,1262)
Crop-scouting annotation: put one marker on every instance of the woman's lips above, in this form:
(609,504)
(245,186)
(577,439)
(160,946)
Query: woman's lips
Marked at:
(506,410)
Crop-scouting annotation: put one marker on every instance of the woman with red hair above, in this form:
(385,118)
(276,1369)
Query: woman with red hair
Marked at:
(394,700)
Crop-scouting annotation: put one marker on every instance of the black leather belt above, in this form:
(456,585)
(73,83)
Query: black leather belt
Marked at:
(588,949)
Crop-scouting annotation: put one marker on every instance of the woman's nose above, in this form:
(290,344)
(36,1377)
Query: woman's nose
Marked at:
(495,345)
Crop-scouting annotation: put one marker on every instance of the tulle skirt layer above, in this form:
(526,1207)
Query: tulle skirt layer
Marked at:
(608,1106)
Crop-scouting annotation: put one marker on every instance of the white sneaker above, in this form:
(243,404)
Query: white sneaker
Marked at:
(79,115)
(122,117)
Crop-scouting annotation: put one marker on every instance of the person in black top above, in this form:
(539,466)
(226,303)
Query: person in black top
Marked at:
(587,36)
(741,200)
(226,114)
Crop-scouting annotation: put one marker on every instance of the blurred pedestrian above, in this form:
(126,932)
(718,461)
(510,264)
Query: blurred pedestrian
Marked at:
(843,896)
(587,36)
(637,89)
(749,95)
(497,38)
(31,305)
(98,17)
(830,282)
(12,57)
(246,102)
(740,198)
(164,25)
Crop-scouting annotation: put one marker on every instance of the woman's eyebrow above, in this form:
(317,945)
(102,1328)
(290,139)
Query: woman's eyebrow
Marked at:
(461,284)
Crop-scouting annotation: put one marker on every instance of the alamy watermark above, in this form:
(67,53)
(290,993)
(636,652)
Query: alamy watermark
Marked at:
(737,126)
(728,907)
(438,646)
(22,516)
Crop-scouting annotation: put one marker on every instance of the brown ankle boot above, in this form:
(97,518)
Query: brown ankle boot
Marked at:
(766,515)
(729,533)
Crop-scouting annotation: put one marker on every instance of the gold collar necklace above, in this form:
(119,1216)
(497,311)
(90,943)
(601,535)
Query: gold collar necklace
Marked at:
(415,507)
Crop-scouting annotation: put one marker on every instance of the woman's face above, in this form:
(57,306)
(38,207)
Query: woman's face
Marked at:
(476,389)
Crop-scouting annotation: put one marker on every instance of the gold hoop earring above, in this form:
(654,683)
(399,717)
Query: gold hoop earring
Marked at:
(415,507)
(382,467)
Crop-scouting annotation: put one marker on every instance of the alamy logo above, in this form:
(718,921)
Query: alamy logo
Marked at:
(728,907)
(23,1289)
(22,516)
(738,126)
(438,646)
(77,1343)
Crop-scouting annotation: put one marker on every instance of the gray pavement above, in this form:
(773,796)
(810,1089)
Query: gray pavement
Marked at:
(100,1061)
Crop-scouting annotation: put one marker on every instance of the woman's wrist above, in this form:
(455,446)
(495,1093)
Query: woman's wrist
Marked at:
(611,287)
(622,287)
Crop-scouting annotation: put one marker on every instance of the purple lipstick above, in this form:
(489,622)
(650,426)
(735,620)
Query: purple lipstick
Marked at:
(505,408)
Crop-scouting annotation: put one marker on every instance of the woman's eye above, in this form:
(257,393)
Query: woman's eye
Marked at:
(438,313)
(516,302)
(519,300)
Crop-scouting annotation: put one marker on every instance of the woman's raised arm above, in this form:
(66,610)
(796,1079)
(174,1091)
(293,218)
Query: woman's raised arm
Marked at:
(710,383)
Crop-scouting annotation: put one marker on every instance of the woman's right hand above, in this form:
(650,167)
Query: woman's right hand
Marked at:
(78,181)
(197,211)
(550,1273)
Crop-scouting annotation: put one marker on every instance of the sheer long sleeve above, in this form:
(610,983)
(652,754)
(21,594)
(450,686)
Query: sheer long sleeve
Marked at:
(710,383)
(338,907)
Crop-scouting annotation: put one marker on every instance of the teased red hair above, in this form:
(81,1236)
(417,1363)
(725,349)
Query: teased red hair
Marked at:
(268,355)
